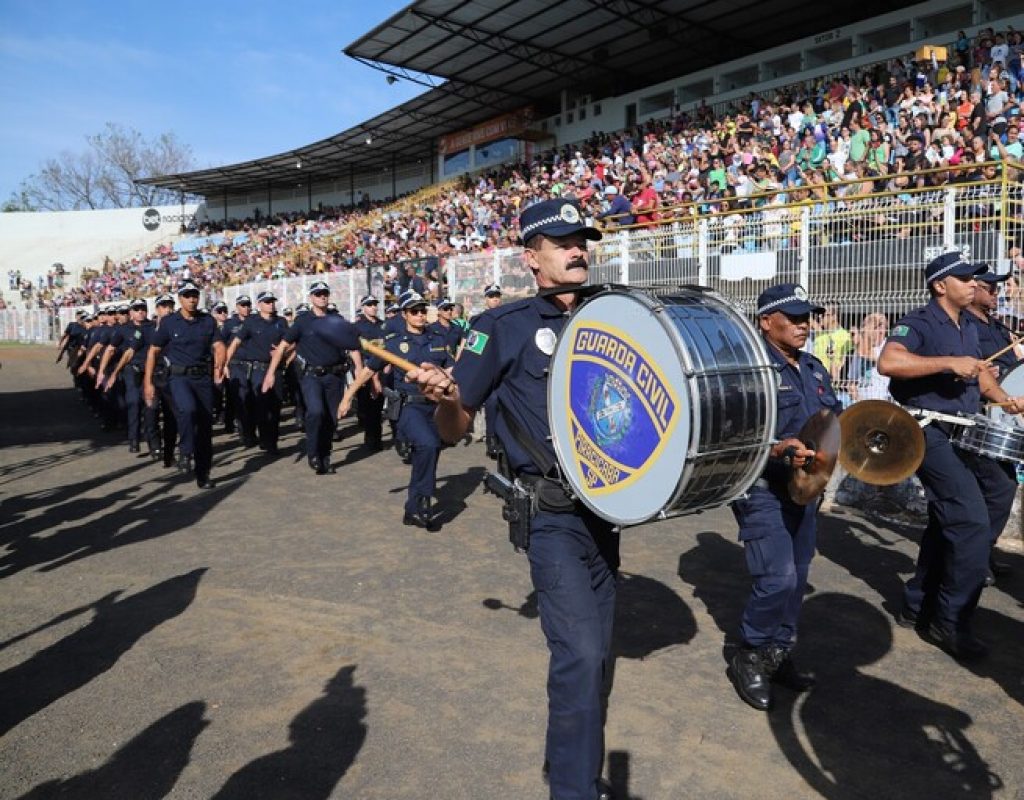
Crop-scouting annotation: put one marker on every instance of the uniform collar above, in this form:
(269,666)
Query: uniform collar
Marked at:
(777,355)
(546,307)
(940,315)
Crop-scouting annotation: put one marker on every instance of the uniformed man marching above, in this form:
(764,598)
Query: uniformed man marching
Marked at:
(416,418)
(445,328)
(232,387)
(574,555)
(194,354)
(167,423)
(322,366)
(370,397)
(933,359)
(250,354)
(128,349)
(778,534)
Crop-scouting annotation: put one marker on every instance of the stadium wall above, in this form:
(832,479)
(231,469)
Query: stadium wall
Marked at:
(33,242)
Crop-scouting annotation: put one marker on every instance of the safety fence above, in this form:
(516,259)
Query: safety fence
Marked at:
(32,325)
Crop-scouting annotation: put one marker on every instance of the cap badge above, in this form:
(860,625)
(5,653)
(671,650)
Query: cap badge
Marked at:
(569,214)
(800,293)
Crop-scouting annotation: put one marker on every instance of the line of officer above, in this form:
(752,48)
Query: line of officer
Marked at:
(778,534)
(250,353)
(370,397)
(128,348)
(71,341)
(574,555)
(188,342)
(998,479)
(234,414)
(933,360)
(323,366)
(168,423)
(420,345)
(95,342)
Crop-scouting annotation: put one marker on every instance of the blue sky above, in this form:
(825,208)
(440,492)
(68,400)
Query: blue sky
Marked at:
(234,80)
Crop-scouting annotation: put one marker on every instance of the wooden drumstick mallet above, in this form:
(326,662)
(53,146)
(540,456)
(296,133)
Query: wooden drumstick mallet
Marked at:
(1006,349)
(403,364)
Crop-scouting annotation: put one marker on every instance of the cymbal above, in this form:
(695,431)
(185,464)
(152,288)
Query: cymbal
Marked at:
(882,443)
(821,433)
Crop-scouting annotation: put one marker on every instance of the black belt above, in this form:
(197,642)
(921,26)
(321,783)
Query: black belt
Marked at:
(252,364)
(550,494)
(333,369)
(197,371)
(415,398)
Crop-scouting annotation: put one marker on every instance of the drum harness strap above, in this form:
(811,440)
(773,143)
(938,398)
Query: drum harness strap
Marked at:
(943,422)
(550,487)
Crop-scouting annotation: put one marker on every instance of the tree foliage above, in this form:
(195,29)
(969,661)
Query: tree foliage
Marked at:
(104,174)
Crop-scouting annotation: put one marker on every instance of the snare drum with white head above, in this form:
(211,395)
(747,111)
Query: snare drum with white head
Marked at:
(660,405)
(988,437)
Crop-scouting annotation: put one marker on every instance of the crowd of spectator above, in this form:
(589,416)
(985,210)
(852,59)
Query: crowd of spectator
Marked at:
(898,127)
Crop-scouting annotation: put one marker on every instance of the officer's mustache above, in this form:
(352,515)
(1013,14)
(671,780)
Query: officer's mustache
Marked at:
(578,263)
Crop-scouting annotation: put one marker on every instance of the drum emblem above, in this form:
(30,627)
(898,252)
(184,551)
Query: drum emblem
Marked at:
(610,410)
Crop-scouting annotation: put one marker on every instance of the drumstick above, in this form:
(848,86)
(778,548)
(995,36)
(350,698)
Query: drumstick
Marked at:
(1006,349)
(999,405)
(403,364)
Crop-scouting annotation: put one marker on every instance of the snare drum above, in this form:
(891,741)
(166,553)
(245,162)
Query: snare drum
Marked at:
(1013,384)
(660,405)
(987,437)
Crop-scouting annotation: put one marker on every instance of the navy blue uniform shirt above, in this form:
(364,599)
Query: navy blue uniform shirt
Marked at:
(231,324)
(373,330)
(501,355)
(186,343)
(993,336)
(929,331)
(417,348)
(394,325)
(258,337)
(322,341)
(136,338)
(452,334)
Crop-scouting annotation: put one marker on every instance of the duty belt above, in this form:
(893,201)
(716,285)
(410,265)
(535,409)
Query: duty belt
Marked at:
(202,370)
(415,398)
(261,365)
(333,369)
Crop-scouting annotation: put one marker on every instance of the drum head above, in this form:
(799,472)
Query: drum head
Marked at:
(619,407)
(1013,384)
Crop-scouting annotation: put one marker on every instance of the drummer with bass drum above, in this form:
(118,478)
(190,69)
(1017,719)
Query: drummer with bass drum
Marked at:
(779,534)
(934,360)
(997,478)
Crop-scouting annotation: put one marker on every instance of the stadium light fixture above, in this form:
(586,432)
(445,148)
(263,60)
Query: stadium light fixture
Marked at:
(392,80)
(298,163)
(369,140)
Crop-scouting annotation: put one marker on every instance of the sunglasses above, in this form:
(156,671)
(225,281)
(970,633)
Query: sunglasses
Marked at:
(416,311)
(320,293)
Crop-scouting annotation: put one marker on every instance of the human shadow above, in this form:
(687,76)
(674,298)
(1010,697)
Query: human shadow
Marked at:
(61,618)
(1002,666)
(717,570)
(1012,584)
(325,738)
(19,470)
(863,736)
(142,518)
(90,651)
(619,775)
(47,416)
(452,491)
(146,768)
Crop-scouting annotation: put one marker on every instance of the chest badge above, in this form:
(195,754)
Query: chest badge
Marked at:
(404,347)
(545,340)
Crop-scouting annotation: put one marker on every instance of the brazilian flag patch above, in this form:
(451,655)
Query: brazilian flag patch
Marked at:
(476,342)
(900,330)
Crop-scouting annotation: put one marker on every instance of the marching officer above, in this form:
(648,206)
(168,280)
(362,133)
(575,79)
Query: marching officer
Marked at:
(998,479)
(492,299)
(370,398)
(445,328)
(779,534)
(130,343)
(251,350)
(416,424)
(232,389)
(322,366)
(933,358)
(188,342)
(574,555)
(165,402)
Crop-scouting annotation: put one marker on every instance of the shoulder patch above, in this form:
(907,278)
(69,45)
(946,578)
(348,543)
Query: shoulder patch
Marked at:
(476,342)
(900,330)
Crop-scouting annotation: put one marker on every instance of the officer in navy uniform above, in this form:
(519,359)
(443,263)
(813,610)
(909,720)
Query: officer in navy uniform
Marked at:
(933,360)
(168,424)
(219,312)
(492,299)
(189,344)
(74,333)
(395,325)
(232,387)
(574,555)
(95,343)
(370,398)
(130,344)
(778,534)
(420,345)
(252,349)
(445,328)
(113,391)
(322,365)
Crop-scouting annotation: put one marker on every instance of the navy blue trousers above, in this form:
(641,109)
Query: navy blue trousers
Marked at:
(243,400)
(416,426)
(141,418)
(953,560)
(998,483)
(193,411)
(778,538)
(266,407)
(573,563)
(321,395)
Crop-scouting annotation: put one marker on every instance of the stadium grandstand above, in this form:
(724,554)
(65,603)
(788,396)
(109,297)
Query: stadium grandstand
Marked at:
(837,146)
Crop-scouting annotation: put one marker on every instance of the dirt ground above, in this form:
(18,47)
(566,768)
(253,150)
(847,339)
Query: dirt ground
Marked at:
(284,636)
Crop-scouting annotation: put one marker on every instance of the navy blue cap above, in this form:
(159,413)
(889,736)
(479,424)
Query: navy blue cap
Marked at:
(991,277)
(81,313)
(951,264)
(332,308)
(121,310)
(554,218)
(89,317)
(243,300)
(319,286)
(492,290)
(186,287)
(165,300)
(139,303)
(445,302)
(287,311)
(264,297)
(221,306)
(789,298)
(411,300)
(392,309)
(368,300)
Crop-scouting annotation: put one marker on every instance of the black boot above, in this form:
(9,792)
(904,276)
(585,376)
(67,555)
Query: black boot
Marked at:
(749,673)
(184,465)
(786,674)
(423,518)
(133,447)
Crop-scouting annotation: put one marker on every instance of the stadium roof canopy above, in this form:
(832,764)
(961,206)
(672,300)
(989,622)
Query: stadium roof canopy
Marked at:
(495,56)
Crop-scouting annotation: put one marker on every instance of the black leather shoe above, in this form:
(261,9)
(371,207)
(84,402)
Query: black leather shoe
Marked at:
(423,518)
(248,442)
(786,674)
(749,674)
(155,452)
(204,482)
(133,447)
(315,464)
(906,617)
(959,644)
(184,465)
(325,466)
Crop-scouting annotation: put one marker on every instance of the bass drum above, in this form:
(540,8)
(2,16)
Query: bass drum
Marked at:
(1013,383)
(660,405)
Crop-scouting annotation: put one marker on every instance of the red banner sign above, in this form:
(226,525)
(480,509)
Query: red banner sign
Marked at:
(512,124)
